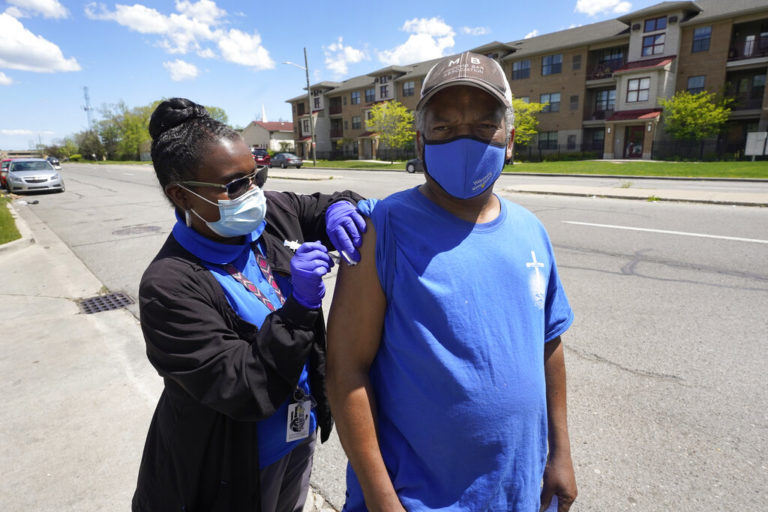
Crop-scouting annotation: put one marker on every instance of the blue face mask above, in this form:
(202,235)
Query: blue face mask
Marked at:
(238,216)
(464,167)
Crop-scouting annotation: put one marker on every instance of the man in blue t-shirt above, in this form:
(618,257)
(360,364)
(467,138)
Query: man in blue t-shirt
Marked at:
(446,374)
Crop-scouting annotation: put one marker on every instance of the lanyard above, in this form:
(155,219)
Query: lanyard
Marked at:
(266,271)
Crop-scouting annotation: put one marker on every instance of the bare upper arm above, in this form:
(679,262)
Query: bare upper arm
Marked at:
(357,312)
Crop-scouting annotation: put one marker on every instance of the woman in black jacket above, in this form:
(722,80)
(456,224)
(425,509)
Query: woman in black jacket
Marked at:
(233,323)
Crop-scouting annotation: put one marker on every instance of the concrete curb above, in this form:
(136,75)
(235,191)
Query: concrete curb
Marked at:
(27,237)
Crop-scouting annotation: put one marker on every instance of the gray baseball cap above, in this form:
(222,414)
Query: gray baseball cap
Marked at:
(467,69)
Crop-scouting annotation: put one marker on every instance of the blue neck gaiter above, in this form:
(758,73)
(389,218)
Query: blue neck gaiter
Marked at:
(464,167)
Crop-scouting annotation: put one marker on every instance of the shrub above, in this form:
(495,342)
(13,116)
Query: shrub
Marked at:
(76,157)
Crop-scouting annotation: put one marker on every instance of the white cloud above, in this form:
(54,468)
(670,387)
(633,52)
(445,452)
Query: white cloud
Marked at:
(245,49)
(16,132)
(338,57)
(429,39)
(532,33)
(46,8)
(476,31)
(193,27)
(594,7)
(21,49)
(181,70)
(5,79)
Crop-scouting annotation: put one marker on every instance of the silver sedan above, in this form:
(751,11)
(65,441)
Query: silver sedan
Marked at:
(32,175)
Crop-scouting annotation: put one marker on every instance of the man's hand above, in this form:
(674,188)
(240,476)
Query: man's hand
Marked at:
(345,227)
(560,480)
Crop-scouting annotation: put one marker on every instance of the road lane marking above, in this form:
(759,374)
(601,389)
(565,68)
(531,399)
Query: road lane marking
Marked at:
(667,232)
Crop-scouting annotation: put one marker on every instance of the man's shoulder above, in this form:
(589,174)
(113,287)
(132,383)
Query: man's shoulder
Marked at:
(519,213)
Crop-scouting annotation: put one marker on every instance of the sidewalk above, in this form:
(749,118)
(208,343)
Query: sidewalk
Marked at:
(78,392)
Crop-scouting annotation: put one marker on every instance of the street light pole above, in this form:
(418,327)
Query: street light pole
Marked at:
(305,67)
(311,121)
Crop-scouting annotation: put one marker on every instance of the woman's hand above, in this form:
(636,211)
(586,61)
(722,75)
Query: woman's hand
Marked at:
(345,227)
(308,266)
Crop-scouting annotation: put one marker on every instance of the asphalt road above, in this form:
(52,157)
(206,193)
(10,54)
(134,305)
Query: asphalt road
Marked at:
(668,393)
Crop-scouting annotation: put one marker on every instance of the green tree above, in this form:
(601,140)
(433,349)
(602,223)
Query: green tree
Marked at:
(526,120)
(394,124)
(90,145)
(695,117)
(217,113)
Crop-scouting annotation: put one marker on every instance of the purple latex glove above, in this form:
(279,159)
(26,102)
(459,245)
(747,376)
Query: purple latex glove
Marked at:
(308,266)
(345,227)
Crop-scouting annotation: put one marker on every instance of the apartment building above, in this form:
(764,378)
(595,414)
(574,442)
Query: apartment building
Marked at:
(601,83)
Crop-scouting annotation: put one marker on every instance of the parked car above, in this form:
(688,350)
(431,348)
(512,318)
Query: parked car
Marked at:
(414,165)
(33,174)
(54,162)
(260,156)
(287,160)
(4,164)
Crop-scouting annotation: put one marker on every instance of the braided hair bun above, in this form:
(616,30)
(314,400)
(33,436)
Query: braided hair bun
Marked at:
(172,113)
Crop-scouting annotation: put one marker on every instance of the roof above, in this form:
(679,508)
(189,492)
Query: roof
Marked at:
(631,115)
(275,126)
(661,8)
(368,134)
(645,64)
(297,98)
(358,82)
(714,9)
(494,45)
(570,38)
(324,85)
(390,69)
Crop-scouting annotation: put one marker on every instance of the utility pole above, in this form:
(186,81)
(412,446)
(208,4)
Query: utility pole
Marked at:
(305,67)
(88,108)
(309,104)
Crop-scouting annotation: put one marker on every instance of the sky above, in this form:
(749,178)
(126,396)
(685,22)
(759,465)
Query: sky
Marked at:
(231,54)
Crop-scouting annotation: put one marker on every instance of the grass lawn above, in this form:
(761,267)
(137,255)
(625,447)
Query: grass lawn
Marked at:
(8,231)
(639,168)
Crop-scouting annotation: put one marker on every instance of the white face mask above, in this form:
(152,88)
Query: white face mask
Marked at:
(237,217)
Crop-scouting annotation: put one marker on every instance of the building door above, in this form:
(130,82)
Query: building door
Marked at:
(367,149)
(634,146)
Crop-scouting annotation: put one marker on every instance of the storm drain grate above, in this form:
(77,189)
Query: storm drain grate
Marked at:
(104,303)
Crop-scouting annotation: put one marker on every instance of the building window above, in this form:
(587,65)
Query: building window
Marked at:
(638,89)
(384,90)
(551,64)
(409,88)
(300,109)
(521,69)
(346,124)
(383,79)
(316,103)
(305,126)
(524,99)
(701,37)
(571,142)
(551,101)
(356,122)
(655,24)
(605,100)
(576,62)
(354,98)
(370,95)
(368,115)
(653,45)
(575,102)
(695,84)
(547,140)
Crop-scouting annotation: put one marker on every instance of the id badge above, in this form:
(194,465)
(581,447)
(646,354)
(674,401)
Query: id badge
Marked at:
(298,421)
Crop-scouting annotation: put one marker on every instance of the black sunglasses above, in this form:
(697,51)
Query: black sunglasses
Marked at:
(236,187)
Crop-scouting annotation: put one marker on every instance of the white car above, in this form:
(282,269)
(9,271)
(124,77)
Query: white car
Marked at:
(33,174)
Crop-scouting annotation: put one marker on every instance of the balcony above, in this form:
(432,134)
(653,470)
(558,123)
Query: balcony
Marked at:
(746,103)
(605,69)
(598,115)
(337,133)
